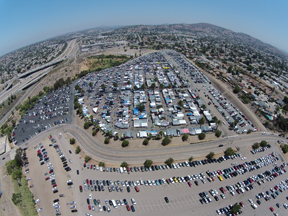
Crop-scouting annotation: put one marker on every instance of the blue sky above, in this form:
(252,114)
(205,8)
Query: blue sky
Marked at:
(26,22)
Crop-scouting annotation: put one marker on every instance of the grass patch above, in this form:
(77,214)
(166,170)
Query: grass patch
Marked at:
(25,201)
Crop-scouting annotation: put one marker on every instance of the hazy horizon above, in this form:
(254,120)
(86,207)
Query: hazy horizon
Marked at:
(34,21)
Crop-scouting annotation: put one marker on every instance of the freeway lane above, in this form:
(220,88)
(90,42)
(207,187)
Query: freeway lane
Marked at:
(103,152)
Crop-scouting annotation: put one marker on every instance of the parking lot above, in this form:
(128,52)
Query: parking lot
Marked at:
(182,198)
(52,109)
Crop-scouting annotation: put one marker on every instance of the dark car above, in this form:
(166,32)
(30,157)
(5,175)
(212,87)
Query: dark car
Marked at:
(74,210)
(77,172)
(166,199)
(128,189)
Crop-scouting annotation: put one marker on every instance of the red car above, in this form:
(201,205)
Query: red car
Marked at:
(128,207)
(84,164)
(91,166)
(137,189)
(189,183)
(213,179)
(80,188)
(87,181)
(55,185)
(223,190)
(47,178)
(89,207)
(276,188)
(241,204)
(271,209)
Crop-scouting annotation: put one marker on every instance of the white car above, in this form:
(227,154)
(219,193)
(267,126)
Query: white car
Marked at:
(100,208)
(39,210)
(133,201)
(37,201)
(90,196)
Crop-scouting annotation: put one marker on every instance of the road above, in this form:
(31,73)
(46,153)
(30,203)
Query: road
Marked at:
(103,152)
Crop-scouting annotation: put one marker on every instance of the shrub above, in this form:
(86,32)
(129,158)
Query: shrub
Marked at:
(166,141)
(125,143)
(87,158)
(229,152)
(249,131)
(86,125)
(102,164)
(191,159)
(201,136)
(285,148)
(263,143)
(185,137)
(94,132)
(77,150)
(235,208)
(255,145)
(107,140)
(124,164)
(145,142)
(218,133)
(72,141)
(169,161)
(210,155)
(148,163)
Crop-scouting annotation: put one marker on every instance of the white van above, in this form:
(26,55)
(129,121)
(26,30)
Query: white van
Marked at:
(121,169)
(114,204)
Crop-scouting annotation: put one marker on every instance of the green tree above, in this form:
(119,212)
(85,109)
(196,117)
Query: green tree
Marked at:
(180,103)
(115,84)
(103,86)
(203,106)
(94,132)
(161,133)
(107,140)
(124,164)
(218,133)
(255,145)
(87,158)
(90,84)
(153,85)
(235,209)
(218,123)
(169,161)
(210,155)
(17,174)
(263,143)
(140,107)
(166,141)
(148,163)
(16,198)
(229,152)
(145,142)
(161,86)
(10,166)
(249,131)
(201,121)
(143,86)
(185,137)
(101,164)
(72,141)
(285,148)
(86,125)
(237,89)
(125,143)
(18,157)
(202,136)
(191,158)
(77,150)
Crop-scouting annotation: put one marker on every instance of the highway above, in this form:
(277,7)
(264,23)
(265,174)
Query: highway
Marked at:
(105,153)
(36,74)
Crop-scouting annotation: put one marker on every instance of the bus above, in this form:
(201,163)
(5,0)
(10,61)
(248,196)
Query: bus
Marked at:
(220,178)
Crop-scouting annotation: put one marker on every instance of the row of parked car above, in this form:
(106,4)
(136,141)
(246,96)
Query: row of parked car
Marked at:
(62,157)
(160,167)
(108,203)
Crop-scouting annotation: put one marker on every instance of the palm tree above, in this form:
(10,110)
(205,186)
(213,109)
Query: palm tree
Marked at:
(218,123)
(161,133)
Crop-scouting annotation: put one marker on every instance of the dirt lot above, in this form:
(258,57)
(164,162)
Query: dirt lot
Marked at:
(7,208)
(42,189)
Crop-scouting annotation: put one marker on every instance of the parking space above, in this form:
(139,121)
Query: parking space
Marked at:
(52,109)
